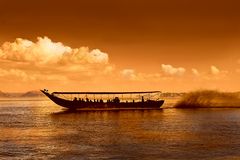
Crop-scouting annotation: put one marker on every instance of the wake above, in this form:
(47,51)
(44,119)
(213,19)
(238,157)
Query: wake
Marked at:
(209,98)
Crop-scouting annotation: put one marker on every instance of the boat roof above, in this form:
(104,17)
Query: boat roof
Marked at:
(107,92)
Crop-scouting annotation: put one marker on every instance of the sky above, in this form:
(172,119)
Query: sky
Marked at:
(134,45)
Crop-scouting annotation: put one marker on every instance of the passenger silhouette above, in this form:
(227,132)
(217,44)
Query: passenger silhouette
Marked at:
(142,99)
(75,99)
(116,100)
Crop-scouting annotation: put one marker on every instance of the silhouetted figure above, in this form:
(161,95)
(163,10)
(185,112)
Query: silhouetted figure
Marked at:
(75,99)
(142,99)
(87,100)
(101,101)
(116,100)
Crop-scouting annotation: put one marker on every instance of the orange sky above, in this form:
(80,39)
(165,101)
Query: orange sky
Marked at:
(133,45)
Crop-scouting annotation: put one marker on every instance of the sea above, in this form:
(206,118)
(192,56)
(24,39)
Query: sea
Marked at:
(33,128)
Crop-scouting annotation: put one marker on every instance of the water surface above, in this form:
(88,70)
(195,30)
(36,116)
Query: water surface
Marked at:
(38,129)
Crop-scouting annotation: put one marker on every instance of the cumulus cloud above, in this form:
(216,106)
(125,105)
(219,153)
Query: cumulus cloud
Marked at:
(48,60)
(173,71)
(195,72)
(15,73)
(20,75)
(129,74)
(214,70)
(45,51)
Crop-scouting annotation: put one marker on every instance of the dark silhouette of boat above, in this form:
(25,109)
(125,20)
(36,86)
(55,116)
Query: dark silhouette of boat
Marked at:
(94,100)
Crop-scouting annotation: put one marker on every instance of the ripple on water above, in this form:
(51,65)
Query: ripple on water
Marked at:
(41,130)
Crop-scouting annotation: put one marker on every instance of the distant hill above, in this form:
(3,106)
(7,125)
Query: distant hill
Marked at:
(32,94)
(172,94)
(2,94)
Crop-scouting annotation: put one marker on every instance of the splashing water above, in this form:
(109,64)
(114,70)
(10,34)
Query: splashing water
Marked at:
(209,98)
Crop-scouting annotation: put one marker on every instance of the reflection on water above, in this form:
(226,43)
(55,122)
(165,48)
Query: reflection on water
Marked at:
(41,130)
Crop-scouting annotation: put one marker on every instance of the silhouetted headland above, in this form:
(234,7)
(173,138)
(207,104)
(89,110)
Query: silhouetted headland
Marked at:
(28,94)
(32,94)
(4,95)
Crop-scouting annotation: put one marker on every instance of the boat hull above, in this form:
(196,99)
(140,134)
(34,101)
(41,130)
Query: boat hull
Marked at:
(102,105)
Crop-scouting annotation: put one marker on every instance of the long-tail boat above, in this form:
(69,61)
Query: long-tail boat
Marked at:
(106,100)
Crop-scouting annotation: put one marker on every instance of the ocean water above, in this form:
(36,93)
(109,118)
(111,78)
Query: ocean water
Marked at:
(38,129)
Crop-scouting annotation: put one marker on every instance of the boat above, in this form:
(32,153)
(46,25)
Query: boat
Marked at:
(106,100)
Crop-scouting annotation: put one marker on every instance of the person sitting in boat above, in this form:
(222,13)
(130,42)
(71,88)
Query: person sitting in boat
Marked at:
(87,100)
(75,99)
(116,100)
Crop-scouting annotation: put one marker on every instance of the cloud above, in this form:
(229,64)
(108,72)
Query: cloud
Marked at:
(48,60)
(214,70)
(172,71)
(20,75)
(195,72)
(14,73)
(45,51)
(129,74)
(45,63)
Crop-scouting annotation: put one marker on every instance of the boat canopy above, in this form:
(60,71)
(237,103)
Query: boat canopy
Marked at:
(147,92)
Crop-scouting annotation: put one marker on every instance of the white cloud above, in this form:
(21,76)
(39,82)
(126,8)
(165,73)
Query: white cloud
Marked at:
(45,51)
(173,71)
(50,60)
(15,73)
(214,70)
(129,74)
(20,75)
(195,72)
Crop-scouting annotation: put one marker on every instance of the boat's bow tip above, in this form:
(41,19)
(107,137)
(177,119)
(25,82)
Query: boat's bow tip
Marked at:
(44,91)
